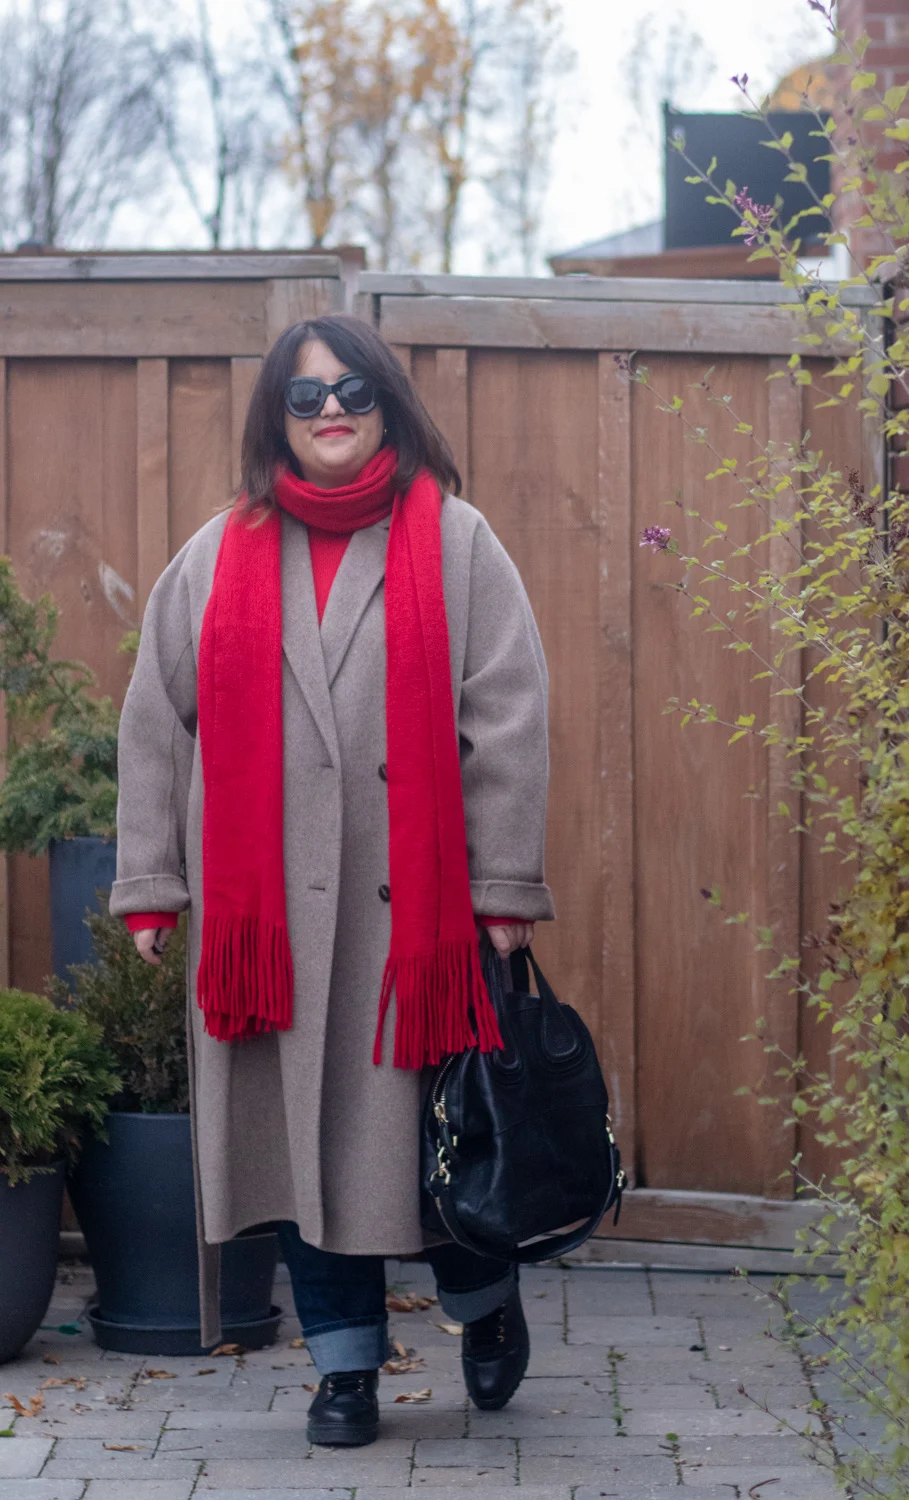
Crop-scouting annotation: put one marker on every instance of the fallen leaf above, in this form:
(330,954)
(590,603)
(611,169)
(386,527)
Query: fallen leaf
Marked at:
(403,1366)
(125,1447)
(455,1329)
(297,1344)
(35,1404)
(51,1359)
(406,1302)
(230,1349)
(77,1380)
(413,1396)
(159,1375)
(81,1408)
(212,1371)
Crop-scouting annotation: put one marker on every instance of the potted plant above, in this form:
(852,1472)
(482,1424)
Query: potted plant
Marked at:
(59,795)
(133,1193)
(56,1081)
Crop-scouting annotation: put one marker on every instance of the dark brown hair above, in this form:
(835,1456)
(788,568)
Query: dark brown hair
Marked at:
(409,426)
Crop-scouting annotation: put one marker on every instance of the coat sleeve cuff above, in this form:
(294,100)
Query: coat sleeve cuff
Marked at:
(526,901)
(148,893)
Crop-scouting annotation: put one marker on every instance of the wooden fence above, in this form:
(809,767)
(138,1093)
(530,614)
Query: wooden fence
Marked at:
(123,386)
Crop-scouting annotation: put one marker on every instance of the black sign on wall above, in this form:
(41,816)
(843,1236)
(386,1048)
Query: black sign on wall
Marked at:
(735,141)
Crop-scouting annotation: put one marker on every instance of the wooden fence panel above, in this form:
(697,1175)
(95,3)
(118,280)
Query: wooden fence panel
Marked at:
(200,454)
(695,826)
(124,383)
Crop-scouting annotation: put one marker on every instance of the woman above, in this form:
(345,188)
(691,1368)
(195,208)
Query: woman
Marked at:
(351,662)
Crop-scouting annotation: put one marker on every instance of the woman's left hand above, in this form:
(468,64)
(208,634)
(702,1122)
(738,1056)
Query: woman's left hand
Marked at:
(506,940)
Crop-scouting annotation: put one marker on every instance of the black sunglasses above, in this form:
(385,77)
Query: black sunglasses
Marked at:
(305,396)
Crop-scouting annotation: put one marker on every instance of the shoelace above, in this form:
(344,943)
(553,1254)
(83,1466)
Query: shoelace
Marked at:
(485,1336)
(348,1383)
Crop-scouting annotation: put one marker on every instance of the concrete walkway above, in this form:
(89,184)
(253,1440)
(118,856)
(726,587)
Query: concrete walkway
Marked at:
(633,1393)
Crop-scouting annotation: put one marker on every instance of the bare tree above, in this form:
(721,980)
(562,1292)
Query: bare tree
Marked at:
(213,123)
(531,66)
(668,62)
(394,106)
(76,121)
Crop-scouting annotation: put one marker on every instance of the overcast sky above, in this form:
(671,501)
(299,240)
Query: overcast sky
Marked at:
(605,172)
(606,159)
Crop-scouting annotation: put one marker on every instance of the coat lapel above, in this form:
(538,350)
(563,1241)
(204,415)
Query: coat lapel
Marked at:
(300,630)
(360,574)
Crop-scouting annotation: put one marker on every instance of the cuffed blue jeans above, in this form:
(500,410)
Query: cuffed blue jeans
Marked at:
(340,1299)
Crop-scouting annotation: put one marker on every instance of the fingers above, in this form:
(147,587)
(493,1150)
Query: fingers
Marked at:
(506,940)
(150,943)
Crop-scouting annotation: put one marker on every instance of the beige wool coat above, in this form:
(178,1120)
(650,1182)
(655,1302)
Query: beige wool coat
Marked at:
(300,1124)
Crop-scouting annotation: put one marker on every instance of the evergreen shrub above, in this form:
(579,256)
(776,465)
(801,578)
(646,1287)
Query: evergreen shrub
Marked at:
(56,1081)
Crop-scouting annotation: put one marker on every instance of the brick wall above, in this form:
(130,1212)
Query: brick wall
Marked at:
(887,24)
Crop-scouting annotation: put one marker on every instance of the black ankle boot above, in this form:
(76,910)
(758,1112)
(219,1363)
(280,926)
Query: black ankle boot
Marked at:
(494,1354)
(345,1412)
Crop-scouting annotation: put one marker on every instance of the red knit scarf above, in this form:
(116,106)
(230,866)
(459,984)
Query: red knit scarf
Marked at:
(245,980)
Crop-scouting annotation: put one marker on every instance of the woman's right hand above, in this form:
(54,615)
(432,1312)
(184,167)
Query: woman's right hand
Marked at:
(150,943)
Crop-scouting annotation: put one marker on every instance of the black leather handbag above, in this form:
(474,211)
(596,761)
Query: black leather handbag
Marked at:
(517,1144)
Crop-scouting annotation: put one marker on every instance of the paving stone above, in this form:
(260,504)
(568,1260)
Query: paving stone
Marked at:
(632,1332)
(651,1396)
(41,1489)
(234,1421)
(508,1423)
(651,1492)
(224,1442)
(482,1478)
(459,1490)
(745,1450)
(74,1458)
(139,1489)
(547,1398)
(194,1398)
(100,1422)
(703,1423)
(787,1484)
(566,1359)
(23,1457)
(590,1469)
(294,1494)
(465,1451)
(328,1467)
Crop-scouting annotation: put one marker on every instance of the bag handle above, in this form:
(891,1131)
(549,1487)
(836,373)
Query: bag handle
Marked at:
(520,976)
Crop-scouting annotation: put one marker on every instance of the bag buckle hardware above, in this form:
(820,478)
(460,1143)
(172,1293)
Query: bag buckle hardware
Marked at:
(443,1170)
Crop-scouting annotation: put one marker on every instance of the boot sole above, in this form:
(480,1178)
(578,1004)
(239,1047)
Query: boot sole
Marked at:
(502,1399)
(333,1437)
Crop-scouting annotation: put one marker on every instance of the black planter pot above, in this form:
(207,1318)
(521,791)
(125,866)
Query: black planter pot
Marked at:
(79,868)
(29,1237)
(134,1200)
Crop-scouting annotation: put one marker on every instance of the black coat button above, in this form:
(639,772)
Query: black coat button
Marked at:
(384,893)
(383,772)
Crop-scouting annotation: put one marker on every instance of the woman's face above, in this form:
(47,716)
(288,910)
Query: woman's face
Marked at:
(333,447)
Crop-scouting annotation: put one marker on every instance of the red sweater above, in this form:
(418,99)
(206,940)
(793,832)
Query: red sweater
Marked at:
(326,550)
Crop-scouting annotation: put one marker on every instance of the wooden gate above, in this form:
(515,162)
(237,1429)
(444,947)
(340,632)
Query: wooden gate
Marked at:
(125,381)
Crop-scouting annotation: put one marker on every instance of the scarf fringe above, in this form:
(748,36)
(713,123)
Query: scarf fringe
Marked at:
(245,983)
(442,1005)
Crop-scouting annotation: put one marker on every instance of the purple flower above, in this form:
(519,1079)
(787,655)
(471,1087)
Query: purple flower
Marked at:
(656,537)
(761,215)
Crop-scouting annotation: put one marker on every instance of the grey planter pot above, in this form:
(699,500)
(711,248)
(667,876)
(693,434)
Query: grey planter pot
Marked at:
(134,1200)
(29,1236)
(79,868)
